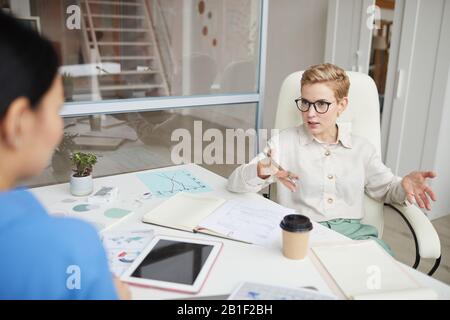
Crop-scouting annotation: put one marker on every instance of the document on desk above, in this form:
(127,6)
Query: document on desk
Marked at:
(363,270)
(123,247)
(252,221)
(260,291)
(167,183)
(322,235)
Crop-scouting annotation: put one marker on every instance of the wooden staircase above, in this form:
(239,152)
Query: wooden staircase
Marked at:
(121,34)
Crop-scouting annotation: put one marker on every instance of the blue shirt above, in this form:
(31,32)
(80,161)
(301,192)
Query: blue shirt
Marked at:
(45,257)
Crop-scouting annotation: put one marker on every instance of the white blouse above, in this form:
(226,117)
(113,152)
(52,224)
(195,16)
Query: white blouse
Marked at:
(332,177)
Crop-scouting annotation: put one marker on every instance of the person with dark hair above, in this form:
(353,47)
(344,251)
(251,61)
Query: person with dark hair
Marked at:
(42,257)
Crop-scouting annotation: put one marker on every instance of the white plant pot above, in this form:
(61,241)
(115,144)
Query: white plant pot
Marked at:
(81,186)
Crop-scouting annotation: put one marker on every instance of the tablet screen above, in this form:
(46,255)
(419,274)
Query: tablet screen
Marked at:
(173,261)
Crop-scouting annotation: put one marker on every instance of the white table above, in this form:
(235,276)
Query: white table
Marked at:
(238,261)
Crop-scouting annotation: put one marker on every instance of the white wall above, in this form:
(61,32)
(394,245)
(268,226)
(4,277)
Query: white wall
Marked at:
(419,129)
(296,40)
(387,14)
(442,166)
(437,146)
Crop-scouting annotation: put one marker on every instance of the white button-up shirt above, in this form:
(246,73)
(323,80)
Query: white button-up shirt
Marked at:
(332,177)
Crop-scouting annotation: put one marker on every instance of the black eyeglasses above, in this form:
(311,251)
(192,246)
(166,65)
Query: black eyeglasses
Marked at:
(321,106)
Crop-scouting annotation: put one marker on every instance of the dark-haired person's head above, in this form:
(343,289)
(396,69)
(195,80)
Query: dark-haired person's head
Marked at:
(31,95)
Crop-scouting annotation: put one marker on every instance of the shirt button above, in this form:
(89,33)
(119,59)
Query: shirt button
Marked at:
(330,176)
(327,153)
(330,200)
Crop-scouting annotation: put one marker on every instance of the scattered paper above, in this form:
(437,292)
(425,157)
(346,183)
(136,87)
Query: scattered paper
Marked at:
(323,235)
(165,183)
(123,247)
(252,221)
(257,291)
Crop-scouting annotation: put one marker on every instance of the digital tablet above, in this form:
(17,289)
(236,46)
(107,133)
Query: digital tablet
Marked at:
(173,263)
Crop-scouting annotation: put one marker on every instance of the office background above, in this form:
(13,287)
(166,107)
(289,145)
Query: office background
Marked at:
(135,70)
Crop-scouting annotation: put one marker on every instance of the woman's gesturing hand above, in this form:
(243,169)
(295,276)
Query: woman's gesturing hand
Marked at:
(417,189)
(268,167)
(288,179)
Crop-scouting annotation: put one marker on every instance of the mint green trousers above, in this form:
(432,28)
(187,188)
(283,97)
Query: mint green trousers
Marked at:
(354,229)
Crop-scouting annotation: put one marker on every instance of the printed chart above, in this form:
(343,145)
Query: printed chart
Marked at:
(165,184)
(100,216)
(257,291)
(123,247)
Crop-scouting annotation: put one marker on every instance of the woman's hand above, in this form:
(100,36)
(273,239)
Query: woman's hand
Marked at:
(266,169)
(123,291)
(288,179)
(417,190)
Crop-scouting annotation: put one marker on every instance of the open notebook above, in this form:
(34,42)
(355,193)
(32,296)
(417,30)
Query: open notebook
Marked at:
(252,221)
(364,271)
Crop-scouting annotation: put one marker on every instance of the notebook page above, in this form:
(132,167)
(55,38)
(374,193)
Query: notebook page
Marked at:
(364,270)
(253,221)
(183,211)
(409,294)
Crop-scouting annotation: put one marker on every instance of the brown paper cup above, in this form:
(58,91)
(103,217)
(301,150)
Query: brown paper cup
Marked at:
(295,244)
(296,229)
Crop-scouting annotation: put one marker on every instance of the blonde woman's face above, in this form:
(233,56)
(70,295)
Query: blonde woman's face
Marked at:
(316,123)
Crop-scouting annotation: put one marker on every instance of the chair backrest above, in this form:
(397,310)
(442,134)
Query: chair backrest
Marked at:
(362,113)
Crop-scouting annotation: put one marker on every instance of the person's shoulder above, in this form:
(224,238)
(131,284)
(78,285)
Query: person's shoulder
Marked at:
(73,232)
(19,201)
(26,217)
(69,238)
(73,227)
(363,145)
(292,130)
(287,132)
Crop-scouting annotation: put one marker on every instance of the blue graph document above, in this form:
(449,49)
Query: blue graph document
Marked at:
(123,247)
(259,291)
(165,184)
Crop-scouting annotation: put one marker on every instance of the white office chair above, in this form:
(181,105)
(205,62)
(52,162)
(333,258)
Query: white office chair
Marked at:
(363,112)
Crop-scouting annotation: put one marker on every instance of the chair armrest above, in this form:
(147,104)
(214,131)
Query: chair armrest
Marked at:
(426,235)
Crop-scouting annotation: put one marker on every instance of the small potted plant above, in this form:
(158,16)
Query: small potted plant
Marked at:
(81,183)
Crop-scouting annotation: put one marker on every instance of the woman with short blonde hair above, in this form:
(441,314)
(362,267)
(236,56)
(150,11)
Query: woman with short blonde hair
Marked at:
(330,168)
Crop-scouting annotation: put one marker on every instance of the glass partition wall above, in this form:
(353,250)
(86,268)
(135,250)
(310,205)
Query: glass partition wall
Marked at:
(135,71)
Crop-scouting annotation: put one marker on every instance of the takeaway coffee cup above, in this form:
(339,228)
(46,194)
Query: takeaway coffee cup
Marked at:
(296,229)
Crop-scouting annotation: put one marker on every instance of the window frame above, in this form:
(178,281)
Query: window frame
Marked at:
(76,109)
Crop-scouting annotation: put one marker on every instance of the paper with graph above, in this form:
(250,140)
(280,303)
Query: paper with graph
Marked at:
(167,183)
(123,247)
(260,291)
(252,221)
